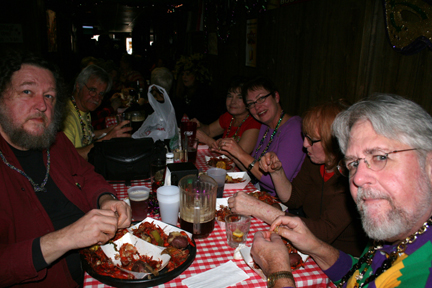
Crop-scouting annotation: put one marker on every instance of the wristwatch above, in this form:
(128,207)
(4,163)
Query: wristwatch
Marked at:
(271,279)
(249,168)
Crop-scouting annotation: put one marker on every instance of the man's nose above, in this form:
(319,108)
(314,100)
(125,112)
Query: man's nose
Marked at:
(40,102)
(364,175)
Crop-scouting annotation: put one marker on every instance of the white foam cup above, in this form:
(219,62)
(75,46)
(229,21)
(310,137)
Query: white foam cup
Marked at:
(169,203)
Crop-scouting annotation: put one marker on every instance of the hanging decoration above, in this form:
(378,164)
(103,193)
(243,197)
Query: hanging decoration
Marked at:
(221,15)
(408,25)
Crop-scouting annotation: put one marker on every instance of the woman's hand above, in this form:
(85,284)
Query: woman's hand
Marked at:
(204,138)
(196,121)
(270,163)
(227,146)
(242,203)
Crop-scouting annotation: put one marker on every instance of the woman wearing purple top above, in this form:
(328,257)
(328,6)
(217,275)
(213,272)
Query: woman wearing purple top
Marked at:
(280,133)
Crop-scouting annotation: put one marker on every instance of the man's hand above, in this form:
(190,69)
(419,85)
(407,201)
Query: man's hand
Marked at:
(122,210)
(119,130)
(270,253)
(96,227)
(295,230)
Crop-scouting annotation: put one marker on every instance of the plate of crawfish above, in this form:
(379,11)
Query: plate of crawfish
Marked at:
(123,263)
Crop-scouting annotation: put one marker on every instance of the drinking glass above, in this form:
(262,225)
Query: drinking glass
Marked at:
(138,197)
(237,229)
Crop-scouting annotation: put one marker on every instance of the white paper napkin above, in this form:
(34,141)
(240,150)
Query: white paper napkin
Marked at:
(231,273)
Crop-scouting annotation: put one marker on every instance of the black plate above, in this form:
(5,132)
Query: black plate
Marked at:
(163,277)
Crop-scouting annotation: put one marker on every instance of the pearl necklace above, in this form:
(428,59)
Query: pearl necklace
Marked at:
(87,137)
(238,128)
(369,255)
(271,138)
(36,187)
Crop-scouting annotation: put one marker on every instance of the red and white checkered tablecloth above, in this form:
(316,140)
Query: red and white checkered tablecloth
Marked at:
(214,250)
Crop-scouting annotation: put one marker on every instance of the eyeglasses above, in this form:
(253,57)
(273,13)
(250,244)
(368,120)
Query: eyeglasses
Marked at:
(260,100)
(375,162)
(310,141)
(93,91)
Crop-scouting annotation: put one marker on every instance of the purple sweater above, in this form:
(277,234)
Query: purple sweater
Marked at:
(288,146)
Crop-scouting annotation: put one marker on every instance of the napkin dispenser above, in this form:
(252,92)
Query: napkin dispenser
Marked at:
(176,171)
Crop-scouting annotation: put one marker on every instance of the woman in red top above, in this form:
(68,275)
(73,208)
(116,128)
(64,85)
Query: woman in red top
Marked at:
(236,123)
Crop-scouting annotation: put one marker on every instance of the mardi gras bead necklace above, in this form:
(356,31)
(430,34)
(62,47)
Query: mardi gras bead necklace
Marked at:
(238,128)
(271,138)
(36,187)
(368,259)
(87,135)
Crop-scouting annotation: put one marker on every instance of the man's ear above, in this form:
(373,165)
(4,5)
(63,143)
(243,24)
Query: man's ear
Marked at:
(428,166)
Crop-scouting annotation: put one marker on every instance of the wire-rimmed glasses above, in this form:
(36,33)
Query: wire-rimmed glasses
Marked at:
(93,91)
(375,162)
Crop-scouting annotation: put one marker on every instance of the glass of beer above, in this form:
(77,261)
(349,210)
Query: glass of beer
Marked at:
(138,197)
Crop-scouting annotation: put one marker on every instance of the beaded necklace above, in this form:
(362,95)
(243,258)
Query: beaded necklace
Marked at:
(368,258)
(238,128)
(36,187)
(87,135)
(271,138)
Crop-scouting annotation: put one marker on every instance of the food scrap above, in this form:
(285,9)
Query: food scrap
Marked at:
(266,198)
(229,179)
(221,162)
(222,213)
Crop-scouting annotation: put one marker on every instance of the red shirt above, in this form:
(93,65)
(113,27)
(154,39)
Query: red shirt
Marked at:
(225,120)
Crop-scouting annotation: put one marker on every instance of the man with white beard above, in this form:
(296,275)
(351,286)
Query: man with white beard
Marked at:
(387,143)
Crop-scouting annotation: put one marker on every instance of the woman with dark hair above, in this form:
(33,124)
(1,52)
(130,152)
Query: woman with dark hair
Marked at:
(280,133)
(235,123)
(193,96)
(319,189)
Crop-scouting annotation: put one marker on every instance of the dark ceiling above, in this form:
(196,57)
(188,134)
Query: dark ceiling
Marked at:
(117,16)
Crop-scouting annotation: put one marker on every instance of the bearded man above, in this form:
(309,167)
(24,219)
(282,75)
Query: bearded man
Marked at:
(387,143)
(49,192)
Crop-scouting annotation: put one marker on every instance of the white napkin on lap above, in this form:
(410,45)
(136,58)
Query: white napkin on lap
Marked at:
(225,275)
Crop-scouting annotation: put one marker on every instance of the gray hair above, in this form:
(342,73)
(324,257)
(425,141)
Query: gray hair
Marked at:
(93,71)
(162,77)
(391,116)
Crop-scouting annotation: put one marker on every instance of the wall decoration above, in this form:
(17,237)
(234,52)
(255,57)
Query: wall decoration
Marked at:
(409,25)
(251,41)
(11,33)
(51,30)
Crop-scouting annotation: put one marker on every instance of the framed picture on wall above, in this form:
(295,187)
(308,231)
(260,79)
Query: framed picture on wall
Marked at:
(251,40)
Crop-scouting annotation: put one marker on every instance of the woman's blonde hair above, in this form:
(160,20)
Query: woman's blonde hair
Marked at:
(317,123)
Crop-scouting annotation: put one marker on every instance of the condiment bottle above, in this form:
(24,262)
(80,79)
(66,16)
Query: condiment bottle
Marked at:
(169,158)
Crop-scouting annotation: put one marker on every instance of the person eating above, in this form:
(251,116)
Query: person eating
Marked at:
(236,123)
(53,202)
(318,189)
(280,133)
(387,142)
